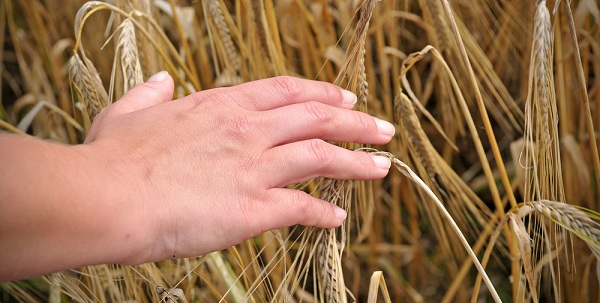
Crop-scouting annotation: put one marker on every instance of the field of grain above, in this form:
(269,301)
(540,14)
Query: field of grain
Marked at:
(494,192)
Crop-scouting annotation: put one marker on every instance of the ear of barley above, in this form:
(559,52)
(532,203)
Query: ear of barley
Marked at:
(544,179)
(261,43)
(130,63)
(575,220)
(544,88)
(418,138)
(331,278)
(215,11)
(440,33)
(572,218)
(92,96)
(361,36)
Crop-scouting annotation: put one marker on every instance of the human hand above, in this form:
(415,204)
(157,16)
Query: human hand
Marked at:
(209,170)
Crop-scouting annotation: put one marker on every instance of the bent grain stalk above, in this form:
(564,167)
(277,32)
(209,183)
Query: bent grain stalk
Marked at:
(406,171)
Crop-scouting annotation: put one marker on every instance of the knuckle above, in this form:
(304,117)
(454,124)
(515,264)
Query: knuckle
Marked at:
(303,204)
(320,152)
(199,100)
(363,162)
(319,112)
(364,122)
(248,209)
(288,87)
(312,212)
(331,91)
(249,166)
(238,127)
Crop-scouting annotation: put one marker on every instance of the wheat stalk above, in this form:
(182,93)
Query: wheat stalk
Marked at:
(581,81)
(378,282)
(149,58)
(82,15)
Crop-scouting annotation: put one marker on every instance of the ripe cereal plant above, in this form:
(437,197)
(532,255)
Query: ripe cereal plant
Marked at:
(521,183)
(541,154)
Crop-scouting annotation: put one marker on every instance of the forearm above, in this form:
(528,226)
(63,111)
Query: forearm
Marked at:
(58,209)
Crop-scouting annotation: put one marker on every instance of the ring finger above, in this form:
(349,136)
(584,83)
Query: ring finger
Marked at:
(304,160)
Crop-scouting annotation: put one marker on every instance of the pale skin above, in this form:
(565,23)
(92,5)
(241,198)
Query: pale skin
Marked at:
(157,179)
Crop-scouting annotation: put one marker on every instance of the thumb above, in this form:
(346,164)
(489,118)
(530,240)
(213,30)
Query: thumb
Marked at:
(158,89)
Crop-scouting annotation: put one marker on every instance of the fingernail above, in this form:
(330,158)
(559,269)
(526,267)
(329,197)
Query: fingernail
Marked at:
(385,128)
(158,77)
(348,97)
(339,213)
(382,162)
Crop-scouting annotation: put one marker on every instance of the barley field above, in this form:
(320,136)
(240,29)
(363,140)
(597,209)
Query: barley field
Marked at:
(494,191)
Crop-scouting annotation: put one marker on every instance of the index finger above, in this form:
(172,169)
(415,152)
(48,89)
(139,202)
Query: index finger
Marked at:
(280,91)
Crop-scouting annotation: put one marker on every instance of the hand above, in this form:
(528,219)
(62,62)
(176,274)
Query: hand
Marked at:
(208,171)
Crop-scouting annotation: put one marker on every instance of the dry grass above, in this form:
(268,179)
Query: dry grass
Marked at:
(479,75)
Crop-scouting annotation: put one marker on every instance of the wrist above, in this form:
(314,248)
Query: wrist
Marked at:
(122,206)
